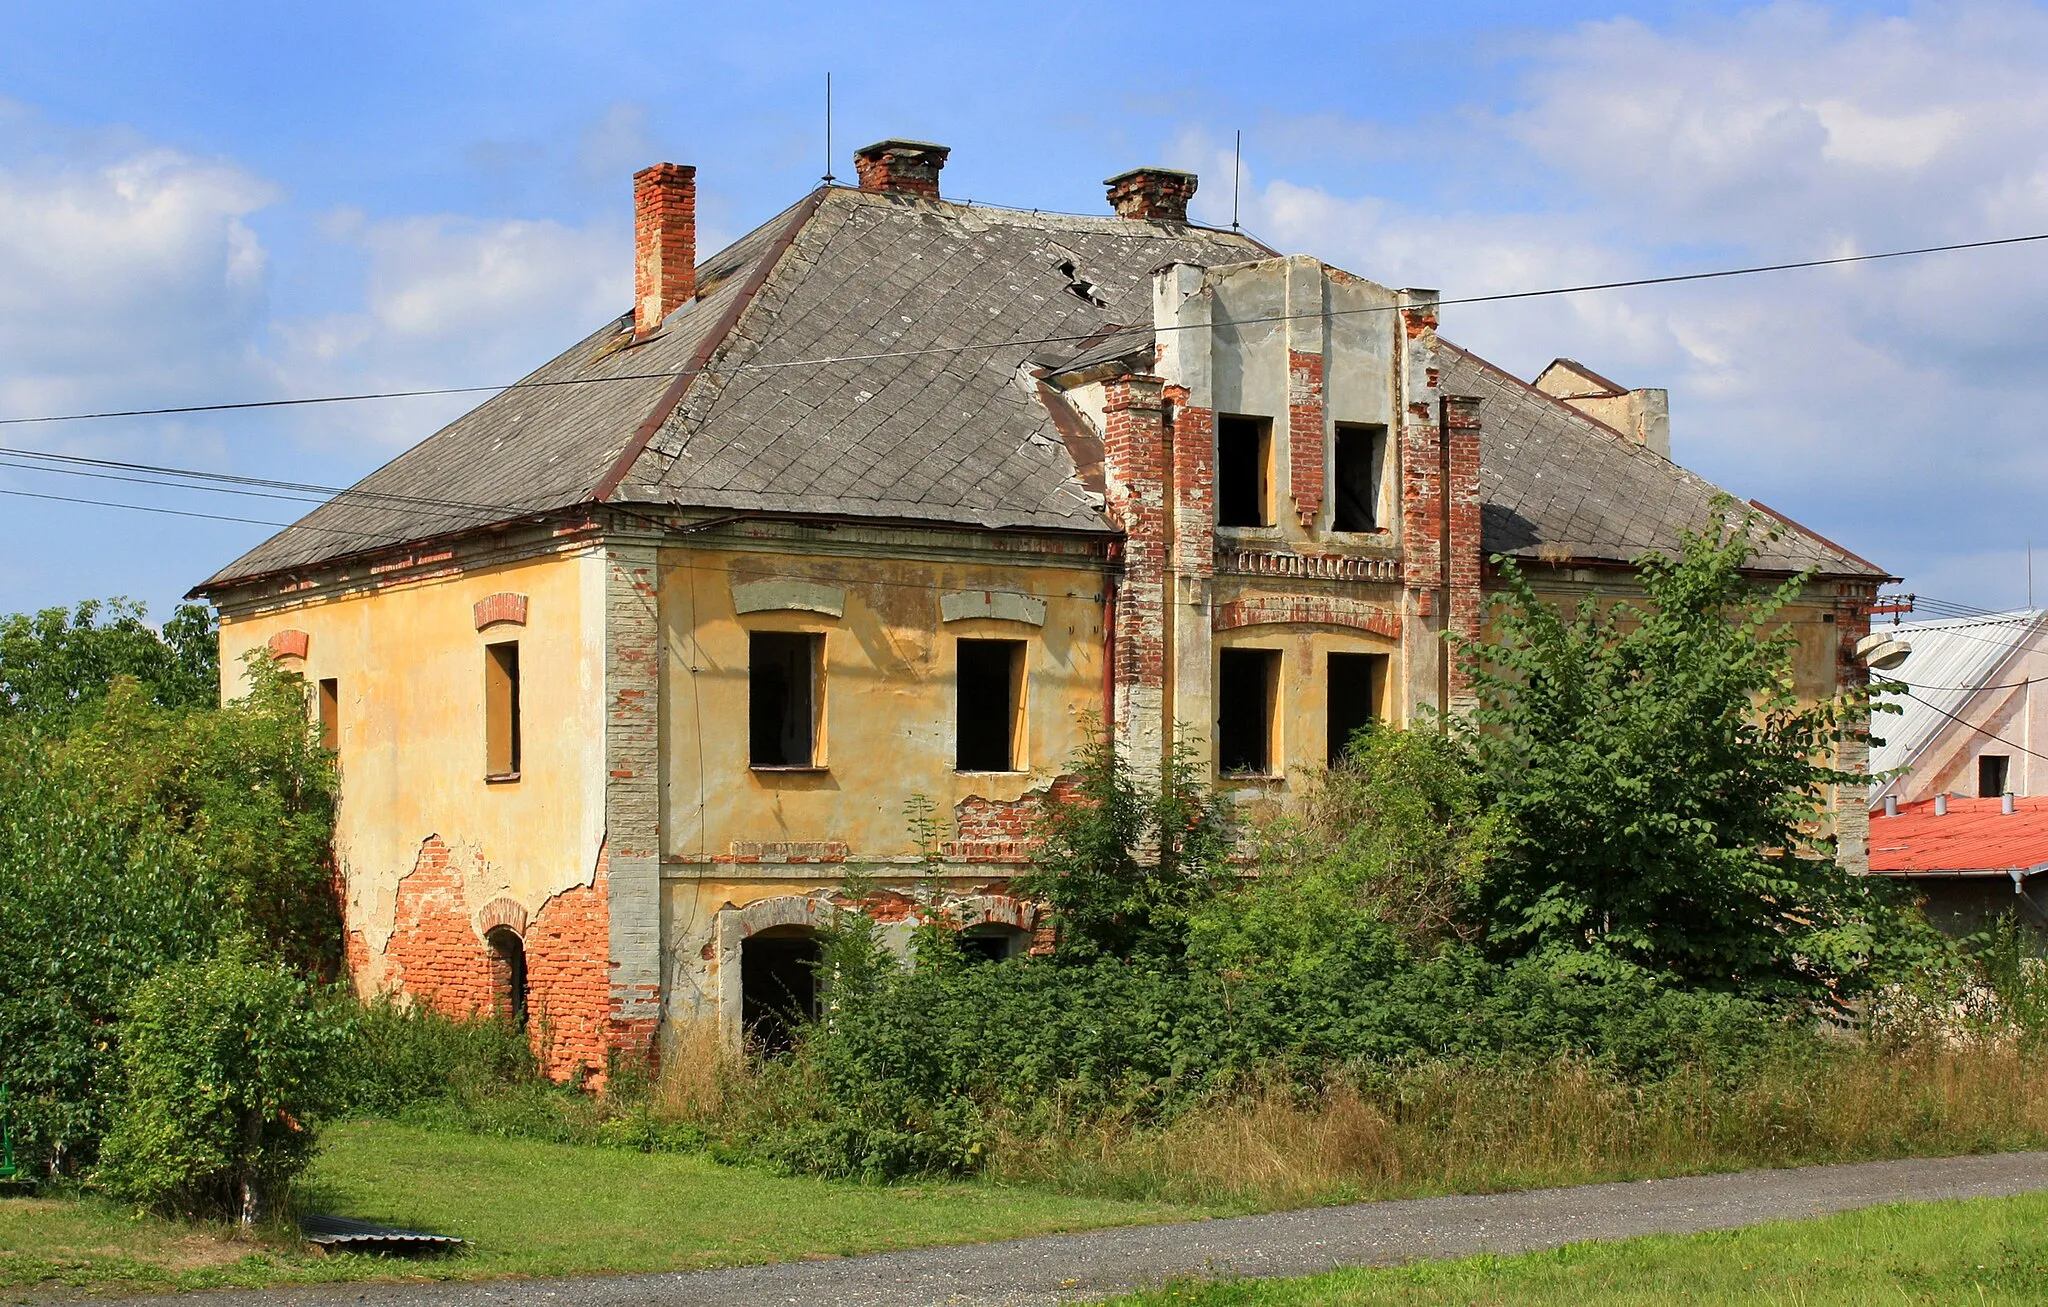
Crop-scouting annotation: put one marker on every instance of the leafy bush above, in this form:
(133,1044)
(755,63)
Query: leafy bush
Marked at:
(224,1065)
(1658,780)
(401,1055)
(88,908)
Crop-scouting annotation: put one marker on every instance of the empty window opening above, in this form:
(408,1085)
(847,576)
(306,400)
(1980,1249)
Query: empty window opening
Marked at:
(1247,692)
(501,710)
(991,674)
(778,986)
(508,975)
(1244,457)
(782,675)
(1359,455)
(330,714)
(1992,771)
(1353,695)
(994,941)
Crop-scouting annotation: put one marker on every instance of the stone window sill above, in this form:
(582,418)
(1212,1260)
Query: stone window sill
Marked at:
(501,778)
(783,771)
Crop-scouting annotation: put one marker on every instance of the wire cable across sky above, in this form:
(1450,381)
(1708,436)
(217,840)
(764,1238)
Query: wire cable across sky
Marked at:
(832,360)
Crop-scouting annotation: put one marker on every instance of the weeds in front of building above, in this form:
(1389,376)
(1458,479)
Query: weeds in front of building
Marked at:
(1587,932)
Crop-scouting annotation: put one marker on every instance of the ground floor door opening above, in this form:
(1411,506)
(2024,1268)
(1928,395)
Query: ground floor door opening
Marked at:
(778,986)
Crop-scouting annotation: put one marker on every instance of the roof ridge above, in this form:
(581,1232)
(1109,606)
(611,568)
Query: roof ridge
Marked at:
(796,218)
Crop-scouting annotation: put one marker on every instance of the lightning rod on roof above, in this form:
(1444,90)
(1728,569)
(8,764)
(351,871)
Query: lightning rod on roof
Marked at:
(1236,172)
(829,179)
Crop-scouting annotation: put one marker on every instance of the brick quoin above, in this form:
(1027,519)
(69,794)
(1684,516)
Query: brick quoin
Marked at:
(1193,433)
(1468,559)
(1134,453)
(1305,434)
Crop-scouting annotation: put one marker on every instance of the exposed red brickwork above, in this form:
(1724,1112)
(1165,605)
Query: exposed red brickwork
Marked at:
(904,167)
(1468,557)
(786,851)
(505,606)
(980,821)
(1193,435)
(664,242)
(1305,433)
(289,644)
(439,956)
(1320,610)
(1152,194)
(1134,454)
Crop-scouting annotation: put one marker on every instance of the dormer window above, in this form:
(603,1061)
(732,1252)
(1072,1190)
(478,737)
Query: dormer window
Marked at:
(1244,471)
(1360,456)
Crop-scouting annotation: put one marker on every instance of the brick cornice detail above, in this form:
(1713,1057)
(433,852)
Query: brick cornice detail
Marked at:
(289,644)
(1308,610)
(504,606)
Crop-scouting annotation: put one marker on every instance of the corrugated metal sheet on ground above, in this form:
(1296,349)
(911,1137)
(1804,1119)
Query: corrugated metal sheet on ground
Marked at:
(340,1232)
(1975,836)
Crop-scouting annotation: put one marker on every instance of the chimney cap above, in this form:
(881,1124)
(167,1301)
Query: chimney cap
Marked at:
(1152,194)
(895,164)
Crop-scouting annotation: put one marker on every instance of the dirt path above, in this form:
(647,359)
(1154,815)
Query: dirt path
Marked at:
(1062,1268)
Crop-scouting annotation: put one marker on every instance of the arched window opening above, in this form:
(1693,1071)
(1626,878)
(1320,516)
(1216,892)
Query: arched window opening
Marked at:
(993,941)
(508,975)
(778,986)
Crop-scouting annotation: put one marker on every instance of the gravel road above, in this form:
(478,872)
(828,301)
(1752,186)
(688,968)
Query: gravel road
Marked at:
(1064,1268)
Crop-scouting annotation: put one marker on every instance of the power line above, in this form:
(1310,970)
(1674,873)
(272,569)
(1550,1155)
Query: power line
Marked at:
(834,360)
(1979,729)
(179,512)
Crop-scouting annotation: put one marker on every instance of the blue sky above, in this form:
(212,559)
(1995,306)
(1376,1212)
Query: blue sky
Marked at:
(244,201)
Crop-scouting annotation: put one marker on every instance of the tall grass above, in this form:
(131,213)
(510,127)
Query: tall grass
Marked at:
(1444,1128)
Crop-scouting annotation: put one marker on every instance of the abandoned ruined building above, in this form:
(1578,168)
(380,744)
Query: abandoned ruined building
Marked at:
(630,667)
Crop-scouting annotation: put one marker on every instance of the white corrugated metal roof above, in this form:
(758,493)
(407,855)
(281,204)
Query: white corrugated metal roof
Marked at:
(1952,660)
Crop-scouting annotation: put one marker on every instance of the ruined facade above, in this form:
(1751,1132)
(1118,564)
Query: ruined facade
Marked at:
(890,502)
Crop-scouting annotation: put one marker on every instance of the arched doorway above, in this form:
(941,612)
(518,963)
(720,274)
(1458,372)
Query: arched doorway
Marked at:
(508,975)
(778,985)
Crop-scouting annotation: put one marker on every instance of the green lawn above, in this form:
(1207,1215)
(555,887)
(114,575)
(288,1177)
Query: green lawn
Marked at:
(529,1209)
(1990,1250)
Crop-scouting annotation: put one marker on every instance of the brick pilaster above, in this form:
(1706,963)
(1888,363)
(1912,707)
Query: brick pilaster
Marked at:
(1134,465)
(632,872)
(1305,434)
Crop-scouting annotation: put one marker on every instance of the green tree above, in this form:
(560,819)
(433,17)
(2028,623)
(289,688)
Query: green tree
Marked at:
(1393,841)
(55,661)
(225,1064)
(1124,862)
(1660,783)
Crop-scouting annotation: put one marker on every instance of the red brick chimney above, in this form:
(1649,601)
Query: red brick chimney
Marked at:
(664,242)
(902,167)
(1154,194)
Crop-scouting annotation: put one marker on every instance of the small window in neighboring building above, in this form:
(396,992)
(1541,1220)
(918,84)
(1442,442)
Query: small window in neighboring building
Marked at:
(1353,694)
(1247,694)
(1992,769)
(991,705)
(782,677)
(1359,457)
(330,714)
(1244,479)
(501,710)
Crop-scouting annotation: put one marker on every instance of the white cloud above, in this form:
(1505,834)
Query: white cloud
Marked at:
(1891,405)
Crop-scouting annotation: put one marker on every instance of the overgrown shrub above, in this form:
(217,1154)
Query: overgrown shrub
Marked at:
(400,1055)
(225,1064)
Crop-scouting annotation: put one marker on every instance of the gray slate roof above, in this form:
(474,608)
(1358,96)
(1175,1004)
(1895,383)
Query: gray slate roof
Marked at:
(934,316)
(1556,484)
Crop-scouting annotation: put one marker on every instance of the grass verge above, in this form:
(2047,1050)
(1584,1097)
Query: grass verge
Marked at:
(1982,1251)
(528,1209)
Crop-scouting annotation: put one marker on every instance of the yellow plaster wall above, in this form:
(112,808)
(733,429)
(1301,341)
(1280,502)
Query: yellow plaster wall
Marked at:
(410,666)
(1303,711)
(889,696)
